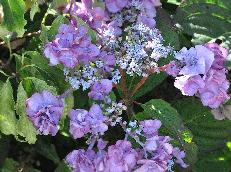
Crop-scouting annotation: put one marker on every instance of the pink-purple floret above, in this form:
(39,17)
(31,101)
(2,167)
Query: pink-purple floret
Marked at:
(44,111)
(72,46)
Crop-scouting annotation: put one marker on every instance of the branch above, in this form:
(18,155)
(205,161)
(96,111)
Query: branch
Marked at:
(142,81)
(24,36)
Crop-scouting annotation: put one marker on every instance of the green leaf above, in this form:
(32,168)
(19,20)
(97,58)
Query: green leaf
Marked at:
(205,20)
(69,104)
(215,161)
(59,4)
(32,85)
(14,15)
(9,166)
(209,133)
(166,26)
(7,111)
(4,149)
(44,33)
(30,170)
(62,167)
(34,9)
(52,74)
(47,150)
(152,81)
(24,126)
(176,2)
(83,102)
(172,125)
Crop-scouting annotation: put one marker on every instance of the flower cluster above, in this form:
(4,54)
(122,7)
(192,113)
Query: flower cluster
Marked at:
(140,50)
(154,154)
(83,122)
(141,45)
(71,47)
(44,110)
(200,71)
(90,74)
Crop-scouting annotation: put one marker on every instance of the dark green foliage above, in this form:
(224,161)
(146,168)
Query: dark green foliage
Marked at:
(209,133)
(205,20)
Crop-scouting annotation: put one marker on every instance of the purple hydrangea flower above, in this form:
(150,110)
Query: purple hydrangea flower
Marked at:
(149,165)
(173,69)
(179,155)
(148,12)
(215,91)
(98,19)
(80,161)
(83,122)
(149,8)
(189,85)
(101,144)
(100,89)
(87,3)
(148,21)
(150,127)
(220,55)
(160,151)
(71,47)
(44,110)
(115,6)
(156,2)
(121,157)
(196,60)
(97,119)
(202,69)
(108,60)
(94,17)
(79,125)
(161,154)
(151,143)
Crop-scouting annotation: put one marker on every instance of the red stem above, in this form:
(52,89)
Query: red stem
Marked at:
(124,84)
(142,81)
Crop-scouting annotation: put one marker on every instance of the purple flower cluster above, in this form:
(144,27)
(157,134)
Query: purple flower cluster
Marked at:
(83,122)
(146,7)
(71,47)
(95,17)
(119,158)
(44,110)
(154,155)
(201,72)
(101,89)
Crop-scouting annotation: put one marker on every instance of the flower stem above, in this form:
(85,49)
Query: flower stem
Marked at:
(142,81)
